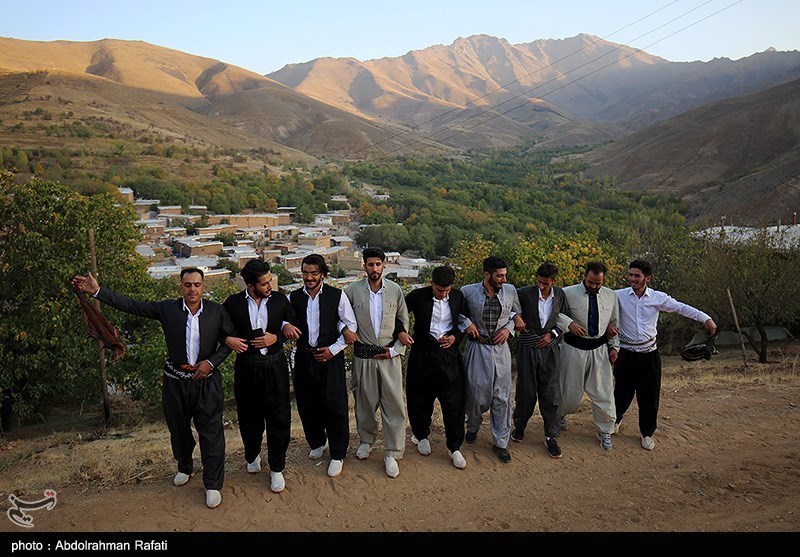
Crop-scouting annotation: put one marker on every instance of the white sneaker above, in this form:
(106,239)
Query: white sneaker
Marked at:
(605,440)
(648,443)
(363,451)
(616,427)
(213,498)
(392,469)
(277,483)
(458,460)
(180,479)
(424,447)
(335,468)
(255,466)
(317,453)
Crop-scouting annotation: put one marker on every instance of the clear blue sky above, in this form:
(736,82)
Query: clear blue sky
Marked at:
(263,36)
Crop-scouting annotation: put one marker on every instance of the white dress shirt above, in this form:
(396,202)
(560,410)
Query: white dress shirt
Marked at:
(346,317)
(376,314)
(638,317)
(259,316)
(545,308)
(441,318)
(193,333)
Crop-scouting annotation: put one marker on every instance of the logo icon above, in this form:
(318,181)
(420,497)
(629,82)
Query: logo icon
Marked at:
(17,515)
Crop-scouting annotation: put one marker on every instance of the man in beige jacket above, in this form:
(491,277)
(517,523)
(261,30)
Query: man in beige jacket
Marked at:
(382,318)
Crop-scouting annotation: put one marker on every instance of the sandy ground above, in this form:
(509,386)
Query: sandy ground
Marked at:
(726,459)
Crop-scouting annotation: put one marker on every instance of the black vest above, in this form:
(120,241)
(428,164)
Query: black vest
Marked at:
(329,298)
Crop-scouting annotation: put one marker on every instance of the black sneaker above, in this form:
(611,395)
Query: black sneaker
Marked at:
(552,447)
(470,437)
(502,454)
(517,435)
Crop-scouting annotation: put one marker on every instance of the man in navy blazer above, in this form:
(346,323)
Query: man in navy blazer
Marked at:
(435,367)
(192,389)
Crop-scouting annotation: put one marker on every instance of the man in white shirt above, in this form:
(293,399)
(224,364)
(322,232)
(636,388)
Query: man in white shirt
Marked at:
(320,386)
(638,367)
(377,382)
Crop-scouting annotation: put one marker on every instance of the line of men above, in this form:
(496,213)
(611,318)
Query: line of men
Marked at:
(599,327)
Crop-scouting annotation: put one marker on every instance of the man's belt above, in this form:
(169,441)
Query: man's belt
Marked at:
(530,339)
(367,351)
(482,340)
(181,371)
(583,343)
(630,342)
(259,359)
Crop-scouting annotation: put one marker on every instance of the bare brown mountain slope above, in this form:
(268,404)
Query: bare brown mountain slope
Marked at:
(559,91)
(738,157)
(262,111)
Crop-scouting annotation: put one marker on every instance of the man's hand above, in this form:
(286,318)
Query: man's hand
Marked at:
(446,341)
(612,356)
(405,339)
(264,341)
(709,325)
(612,331)
(290,331)
(87,284)
(236,344)
(501,336)
(349,336)
(545,341)
(323,354)
(385,355)
(576,329)
(472,331)
(519,323)
(203,369)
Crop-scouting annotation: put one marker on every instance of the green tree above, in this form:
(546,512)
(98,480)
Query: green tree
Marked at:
(284,276)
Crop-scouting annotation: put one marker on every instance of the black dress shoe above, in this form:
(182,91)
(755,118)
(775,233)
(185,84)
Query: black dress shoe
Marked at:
(502,454)
(470,437)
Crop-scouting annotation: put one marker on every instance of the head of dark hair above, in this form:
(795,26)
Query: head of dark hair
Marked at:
(547,270)
(596,267)
(318,260)
(644,266)
(443,276)
(492,263)
(188,270)
(373,252)
(254,270)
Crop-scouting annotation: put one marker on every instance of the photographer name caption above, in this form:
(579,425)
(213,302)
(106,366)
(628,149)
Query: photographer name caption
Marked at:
(89,545)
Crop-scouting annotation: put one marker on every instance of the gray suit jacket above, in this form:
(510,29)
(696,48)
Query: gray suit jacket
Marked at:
(395,314)
(576,308)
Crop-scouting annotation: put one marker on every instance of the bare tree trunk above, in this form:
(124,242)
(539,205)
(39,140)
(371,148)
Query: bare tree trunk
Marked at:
(762,353)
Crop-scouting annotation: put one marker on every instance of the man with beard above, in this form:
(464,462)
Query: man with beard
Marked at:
(591,313)
(191,390)
(638,368)
(262,319)
(435,368)
(538,358)
(320,386)
(493,309)
(380,311)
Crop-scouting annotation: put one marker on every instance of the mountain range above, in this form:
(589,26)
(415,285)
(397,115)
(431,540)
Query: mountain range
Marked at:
(712,131)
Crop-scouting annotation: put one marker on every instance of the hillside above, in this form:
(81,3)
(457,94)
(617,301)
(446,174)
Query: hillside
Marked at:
(151,87)
(484,90)
(739,157)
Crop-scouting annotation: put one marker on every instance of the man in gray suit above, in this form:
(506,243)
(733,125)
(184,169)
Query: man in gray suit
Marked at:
(538,358)
(382,318)
(492,306)
(591,314)
(192,390)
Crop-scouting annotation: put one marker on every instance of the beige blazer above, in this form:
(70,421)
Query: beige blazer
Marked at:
(395,314)
(576,308)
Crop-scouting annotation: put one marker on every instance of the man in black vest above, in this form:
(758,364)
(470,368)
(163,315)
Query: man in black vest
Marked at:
(320,386)
(193,329)
(262,319)
(435,367)
(538,358)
